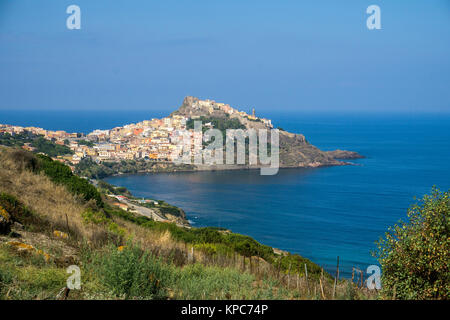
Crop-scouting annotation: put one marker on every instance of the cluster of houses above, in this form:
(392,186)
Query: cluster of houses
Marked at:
(155,139)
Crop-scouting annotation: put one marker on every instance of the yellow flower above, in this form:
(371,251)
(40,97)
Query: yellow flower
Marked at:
(60,234)
(4,214)
(46,255)
(19,246)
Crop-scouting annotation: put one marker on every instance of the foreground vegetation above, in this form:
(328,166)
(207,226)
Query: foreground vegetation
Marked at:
(415,255)
(51,219)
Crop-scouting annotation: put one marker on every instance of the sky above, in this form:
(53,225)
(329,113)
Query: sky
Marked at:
(313,55)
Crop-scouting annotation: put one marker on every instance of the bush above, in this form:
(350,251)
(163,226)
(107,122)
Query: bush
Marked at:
(415,256)
(5,221)
(17,210)
(199,282)
(132,273)
(48,147)
(86,143)
(38,142)
(100,218)
(296,264)
(61,174)
(25,159)
(218,123)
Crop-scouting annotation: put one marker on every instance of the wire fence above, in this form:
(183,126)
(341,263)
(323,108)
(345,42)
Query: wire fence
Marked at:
(334,282)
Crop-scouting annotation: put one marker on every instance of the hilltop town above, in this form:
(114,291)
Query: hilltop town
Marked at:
(156,139)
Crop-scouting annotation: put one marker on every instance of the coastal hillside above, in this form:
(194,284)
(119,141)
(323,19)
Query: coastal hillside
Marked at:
(295,151)
(51,219)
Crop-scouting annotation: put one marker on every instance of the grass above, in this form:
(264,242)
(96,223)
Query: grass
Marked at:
(25,277)
(54,206)
(133,273)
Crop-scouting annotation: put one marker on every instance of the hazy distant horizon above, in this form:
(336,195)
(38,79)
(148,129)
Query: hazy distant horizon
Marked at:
(270,110)
(86,121)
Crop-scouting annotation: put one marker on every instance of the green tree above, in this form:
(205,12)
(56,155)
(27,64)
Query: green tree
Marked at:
(415,256)
(62,174)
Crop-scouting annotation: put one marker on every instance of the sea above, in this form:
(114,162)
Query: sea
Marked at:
(319,213)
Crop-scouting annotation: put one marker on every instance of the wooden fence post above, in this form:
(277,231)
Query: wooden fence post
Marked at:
(336,279)
(67,224)
(306,277)
(289,275)
(362,278)
(278,271)
(321,289)
(334,288)
(337,269)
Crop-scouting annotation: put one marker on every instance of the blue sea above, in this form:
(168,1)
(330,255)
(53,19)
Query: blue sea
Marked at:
(318,213)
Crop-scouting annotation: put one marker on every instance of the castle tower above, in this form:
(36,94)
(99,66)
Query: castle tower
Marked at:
(253,112)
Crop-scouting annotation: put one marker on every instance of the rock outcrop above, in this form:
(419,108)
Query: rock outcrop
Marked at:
(344,154)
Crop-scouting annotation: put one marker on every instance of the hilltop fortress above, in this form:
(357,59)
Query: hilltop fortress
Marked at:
(157,139)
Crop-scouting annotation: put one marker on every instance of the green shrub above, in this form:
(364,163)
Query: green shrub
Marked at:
(61,174)
(199,282)
(38,142)
(208,248)
(50,148)
(86,143)
(296,264)
(18,211)
(415,256)
(99,217)
(93,216)
(133,273)
(221,124)
(137,219)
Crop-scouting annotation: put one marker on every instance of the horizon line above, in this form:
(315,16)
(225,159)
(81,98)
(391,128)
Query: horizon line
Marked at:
(266,110)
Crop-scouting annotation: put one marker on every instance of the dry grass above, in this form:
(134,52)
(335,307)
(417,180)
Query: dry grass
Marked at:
(62,209)
(50,201)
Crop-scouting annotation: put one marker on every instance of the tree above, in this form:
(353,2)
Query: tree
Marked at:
(415,256)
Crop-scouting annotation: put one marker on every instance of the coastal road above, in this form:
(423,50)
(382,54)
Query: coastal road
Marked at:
(149,213)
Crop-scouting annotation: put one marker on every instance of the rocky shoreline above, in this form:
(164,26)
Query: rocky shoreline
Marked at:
(206,168)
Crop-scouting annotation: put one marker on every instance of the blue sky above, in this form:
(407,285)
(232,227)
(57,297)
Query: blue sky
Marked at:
(272,55)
